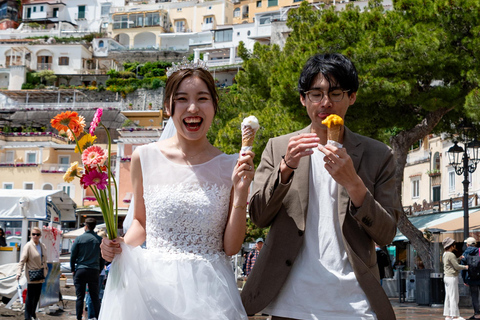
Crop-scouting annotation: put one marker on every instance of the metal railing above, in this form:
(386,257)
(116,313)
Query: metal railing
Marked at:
(44,66)
(224,62)
(54,167)
(73,105)
(439,206)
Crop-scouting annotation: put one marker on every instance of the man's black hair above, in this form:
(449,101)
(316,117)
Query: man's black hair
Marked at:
(337,69)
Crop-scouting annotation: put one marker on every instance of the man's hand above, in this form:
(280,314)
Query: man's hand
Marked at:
(340,166)
(18,276)
(110,248)
(298,147)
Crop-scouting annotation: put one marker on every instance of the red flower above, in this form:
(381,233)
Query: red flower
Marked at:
(94,178)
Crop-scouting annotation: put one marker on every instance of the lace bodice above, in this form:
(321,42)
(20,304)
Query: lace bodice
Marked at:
(186,205)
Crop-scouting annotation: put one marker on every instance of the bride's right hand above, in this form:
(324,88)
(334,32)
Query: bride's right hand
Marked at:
(110,248)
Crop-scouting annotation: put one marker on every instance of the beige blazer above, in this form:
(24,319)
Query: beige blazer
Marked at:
(32,260)
(284,208)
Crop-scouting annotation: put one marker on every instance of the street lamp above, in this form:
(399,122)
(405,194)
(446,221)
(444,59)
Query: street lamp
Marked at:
(465,165)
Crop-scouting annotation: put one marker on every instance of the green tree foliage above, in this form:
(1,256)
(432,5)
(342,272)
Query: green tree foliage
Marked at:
(46,75)
(418,68)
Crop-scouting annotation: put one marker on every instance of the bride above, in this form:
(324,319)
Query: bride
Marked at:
(190,207)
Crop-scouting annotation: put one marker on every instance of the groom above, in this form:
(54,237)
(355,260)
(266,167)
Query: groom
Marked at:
(326,206)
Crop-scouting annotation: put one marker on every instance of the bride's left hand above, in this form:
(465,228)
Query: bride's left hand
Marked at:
(244,170)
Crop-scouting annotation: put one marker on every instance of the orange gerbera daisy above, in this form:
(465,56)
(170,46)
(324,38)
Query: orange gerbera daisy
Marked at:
(77,128)
(65,120)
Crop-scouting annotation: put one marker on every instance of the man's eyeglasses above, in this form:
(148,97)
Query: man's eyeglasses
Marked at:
(36,234)
(316,96)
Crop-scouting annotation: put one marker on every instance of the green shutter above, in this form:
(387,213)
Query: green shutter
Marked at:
(81,12)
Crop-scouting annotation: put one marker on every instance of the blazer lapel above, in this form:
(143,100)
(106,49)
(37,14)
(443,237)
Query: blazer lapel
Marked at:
(355,150)
(300,184)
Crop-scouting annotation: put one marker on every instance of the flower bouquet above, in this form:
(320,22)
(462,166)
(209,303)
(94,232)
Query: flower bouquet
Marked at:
(96,174)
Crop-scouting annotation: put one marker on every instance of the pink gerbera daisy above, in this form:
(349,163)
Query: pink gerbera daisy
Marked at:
(96,120)
(95,178)
(93,155)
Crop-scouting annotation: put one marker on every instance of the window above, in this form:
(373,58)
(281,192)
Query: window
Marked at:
(259,4)
(81,12)
(223,35)
(9,156)
(272,3)
(236,13)
(101,44)
(69,189)
(28,185)
(8,185)
(34,9)
(152,19)
(63,61)
(41,8)
(179,9)
(47,186)
(64,162)
(55,12)
(120,21)
(451,181)
(180,26)
(436,161)
(208,20)
(105,9)
(29,13)
(415,188)
(31,157)
(436,193)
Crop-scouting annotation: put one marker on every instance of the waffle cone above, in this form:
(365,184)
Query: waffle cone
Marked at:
(333,133)
(248,141)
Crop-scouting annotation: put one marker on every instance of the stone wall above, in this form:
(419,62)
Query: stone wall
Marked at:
(140,98)
(146,56)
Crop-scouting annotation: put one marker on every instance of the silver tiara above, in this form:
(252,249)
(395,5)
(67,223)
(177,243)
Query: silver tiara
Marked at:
(185,64)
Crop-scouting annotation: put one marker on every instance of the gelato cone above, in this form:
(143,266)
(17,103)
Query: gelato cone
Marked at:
(249,129)
(334,124)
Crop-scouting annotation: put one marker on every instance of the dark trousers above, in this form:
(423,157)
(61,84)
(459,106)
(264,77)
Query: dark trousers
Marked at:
(33,295)
(82,278)
(475,293)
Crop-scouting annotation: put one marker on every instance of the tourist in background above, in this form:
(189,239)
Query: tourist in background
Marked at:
(451,268)
(33,257)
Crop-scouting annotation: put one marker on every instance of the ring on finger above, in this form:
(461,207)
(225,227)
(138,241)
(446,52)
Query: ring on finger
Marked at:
(249,168)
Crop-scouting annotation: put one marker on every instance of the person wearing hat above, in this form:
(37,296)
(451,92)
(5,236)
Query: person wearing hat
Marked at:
(451,268)
(473,284)
(252,256)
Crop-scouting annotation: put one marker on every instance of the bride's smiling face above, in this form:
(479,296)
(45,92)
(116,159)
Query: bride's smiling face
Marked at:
(194,108)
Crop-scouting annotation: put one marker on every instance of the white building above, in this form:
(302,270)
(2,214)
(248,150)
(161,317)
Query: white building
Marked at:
(430,183)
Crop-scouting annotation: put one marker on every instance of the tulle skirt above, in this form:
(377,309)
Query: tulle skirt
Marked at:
(143,285)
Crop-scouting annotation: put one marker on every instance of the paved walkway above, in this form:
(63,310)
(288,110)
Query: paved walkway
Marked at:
(410,311)
(403,311)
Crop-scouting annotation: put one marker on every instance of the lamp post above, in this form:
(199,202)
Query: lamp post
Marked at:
(465,165)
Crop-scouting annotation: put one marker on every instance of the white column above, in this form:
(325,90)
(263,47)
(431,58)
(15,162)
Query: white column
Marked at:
(232,55)
(196,55)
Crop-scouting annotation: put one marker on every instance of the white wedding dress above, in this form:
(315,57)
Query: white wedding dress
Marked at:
(184,272)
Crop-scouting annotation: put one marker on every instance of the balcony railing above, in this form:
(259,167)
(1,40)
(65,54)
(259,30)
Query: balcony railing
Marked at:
(54,167)
(91,71)
(44,66)
(223,62)
(70,105)
(442,205)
